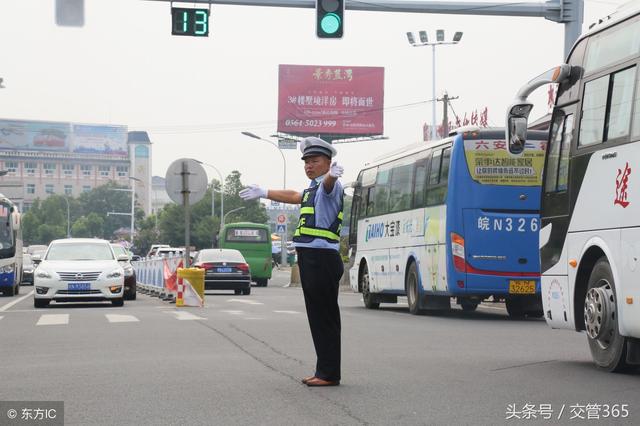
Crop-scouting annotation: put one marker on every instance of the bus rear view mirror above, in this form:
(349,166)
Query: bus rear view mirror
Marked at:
(15,218)
(36,259)
(518,113)
(517,127)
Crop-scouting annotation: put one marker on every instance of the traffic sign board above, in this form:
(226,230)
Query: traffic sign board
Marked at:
(287,143)
(282,218)
(281,228)
(196,180)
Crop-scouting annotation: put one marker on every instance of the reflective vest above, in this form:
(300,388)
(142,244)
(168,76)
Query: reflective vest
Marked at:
(307,230)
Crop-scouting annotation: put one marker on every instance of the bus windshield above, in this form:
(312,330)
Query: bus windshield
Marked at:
(7,241)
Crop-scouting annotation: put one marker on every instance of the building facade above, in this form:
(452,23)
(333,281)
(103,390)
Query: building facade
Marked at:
(39,159)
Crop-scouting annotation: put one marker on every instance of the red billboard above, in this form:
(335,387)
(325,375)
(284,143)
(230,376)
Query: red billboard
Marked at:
(314,99)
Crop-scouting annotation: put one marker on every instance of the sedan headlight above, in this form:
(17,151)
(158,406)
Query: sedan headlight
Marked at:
(6,269)
(128,271)
(115,274)
(43,274)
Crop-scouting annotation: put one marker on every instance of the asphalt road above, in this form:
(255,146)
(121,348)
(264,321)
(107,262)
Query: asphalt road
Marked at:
(239,361)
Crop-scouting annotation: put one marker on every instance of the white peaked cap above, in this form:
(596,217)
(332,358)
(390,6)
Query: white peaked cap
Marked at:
(316,146)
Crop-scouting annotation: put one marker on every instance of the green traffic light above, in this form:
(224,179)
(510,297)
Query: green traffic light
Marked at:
(330,23)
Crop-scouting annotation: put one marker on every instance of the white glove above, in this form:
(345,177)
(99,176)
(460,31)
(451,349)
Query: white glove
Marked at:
(253,192)
(336,170)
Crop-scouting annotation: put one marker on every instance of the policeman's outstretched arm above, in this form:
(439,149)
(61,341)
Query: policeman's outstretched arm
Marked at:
(335,171)
(254,192)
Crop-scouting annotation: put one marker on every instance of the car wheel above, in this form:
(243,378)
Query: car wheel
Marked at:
(40,303)
(9,291)
(607,346)
(370,300)
(411,286)
(247,291)
(118,302)
(237,291)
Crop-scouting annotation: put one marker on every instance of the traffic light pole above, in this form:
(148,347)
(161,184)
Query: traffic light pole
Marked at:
(567,12)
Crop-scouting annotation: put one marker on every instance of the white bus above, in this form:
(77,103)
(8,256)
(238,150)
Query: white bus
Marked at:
(590,235)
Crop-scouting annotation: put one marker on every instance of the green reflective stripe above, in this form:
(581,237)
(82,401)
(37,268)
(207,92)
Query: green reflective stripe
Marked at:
(340,215)
(317,233)
(307,210)
(297,233)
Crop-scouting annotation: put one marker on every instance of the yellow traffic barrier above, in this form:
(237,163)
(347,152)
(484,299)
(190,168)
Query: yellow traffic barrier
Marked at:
(190,287)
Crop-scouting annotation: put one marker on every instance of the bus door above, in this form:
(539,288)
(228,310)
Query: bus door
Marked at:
(435,219)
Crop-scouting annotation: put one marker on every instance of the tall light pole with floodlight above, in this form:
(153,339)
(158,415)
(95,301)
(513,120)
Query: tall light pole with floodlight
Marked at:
(424,41)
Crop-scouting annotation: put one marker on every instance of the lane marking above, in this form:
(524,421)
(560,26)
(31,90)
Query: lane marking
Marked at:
(247,301)
(53,319)
(15,302)
(287,312)
(232,312)
(121,318)
(252,318)
(1,318)
(185,316)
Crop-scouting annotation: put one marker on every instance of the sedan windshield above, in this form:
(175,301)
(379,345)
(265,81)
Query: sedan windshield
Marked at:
(211,255)
(79,251)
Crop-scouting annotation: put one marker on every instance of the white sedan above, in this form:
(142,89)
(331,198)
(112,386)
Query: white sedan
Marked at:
(78,269)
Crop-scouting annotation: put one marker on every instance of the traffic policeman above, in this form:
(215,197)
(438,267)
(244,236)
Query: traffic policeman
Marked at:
(317,242)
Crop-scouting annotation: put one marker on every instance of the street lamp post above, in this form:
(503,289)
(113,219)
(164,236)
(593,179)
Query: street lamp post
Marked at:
(213,194)
(283,257)
(133,199)
(424,41)
(233,211)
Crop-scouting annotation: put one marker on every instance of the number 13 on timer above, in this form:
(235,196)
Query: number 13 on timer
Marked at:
(189,22)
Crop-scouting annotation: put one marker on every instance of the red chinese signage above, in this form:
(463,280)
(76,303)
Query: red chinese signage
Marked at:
(315,99)
(622,181)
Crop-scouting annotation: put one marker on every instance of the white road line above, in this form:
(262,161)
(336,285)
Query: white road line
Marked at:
(53,319)
(15,302)
(247,301)
(287,312)
(185,316)
(1,318)
(121,318)
(232,312)
(252,318)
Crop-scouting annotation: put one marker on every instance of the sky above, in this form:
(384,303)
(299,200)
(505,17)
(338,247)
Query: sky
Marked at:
(194,96)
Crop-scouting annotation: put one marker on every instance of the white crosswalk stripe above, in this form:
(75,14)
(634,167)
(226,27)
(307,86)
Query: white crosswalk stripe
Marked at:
(185,316)
(246,301)
(1,318)
(232,312)
(287,312)
(121,318)
(53,319)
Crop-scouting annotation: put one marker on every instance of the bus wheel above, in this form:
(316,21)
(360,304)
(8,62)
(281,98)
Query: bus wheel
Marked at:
(370,301)
(601,319)
(515,307)
(262,282)
(411,286)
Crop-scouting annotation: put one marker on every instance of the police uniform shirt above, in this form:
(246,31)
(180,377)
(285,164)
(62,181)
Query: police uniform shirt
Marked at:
(327,207)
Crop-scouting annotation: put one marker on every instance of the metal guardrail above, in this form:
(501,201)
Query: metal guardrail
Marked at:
(150,275)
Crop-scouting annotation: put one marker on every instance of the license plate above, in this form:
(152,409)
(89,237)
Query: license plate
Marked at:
(79,286)
(522,287)
(224,270)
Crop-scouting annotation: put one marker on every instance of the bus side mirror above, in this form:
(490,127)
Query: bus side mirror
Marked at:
(15,219)
(517,121)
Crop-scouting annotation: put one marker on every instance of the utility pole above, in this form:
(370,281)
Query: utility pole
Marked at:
(445,114)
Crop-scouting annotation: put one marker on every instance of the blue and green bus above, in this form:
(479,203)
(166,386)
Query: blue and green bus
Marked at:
(454,218)
(10,248)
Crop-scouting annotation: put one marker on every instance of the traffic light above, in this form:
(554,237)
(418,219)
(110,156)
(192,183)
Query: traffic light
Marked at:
(329,18)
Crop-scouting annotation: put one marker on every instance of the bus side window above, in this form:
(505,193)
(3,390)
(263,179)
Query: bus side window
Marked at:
(400,187)
(606,107)
(381,200)
(371,192)
(558,164)
(438,177)
(420,184)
